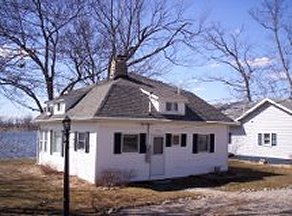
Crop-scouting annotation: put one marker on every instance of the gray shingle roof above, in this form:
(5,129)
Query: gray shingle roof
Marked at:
(123,98)
(236,109)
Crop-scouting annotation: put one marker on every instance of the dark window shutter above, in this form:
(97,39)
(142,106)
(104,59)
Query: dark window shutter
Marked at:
(75,140)
(63,140)
(195,143)
(87,143)
(168,140)
(183,140)
(212,143)
(274,139)
(260,140)
(117,143)
(142,143)
(51,141)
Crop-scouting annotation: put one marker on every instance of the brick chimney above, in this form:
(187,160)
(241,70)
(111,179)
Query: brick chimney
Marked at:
(118,67)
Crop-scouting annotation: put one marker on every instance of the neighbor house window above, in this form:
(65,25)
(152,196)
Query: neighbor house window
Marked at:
(57,142)
(130,143)
(229,138)
(58,107)
(268,139)
(81,141)
(171,106)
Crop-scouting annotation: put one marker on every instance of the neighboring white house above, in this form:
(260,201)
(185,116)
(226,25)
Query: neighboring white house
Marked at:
(136,125)
(265,130)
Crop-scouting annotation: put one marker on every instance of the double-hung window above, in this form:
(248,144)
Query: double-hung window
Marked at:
(203,143)
(267,139)
(43,140)
(130,143)
(57,142)
(81,141)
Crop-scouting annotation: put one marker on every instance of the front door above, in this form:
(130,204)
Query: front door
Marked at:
(157,157)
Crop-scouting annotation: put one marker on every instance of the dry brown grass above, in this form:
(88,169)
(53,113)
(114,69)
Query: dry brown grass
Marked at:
(254,176)
(29,189)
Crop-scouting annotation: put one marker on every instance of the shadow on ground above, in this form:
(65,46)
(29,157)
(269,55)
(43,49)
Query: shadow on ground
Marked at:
(233,175)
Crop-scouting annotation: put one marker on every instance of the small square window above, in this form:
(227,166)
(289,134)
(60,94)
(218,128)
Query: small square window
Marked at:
(130,143)
(175,139)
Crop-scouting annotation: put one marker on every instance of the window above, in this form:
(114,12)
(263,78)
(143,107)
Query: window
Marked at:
(267,139)
(130,143)
(81,141)
(229,138)
(171,106)
(57,142)
(43,140)
(175,139)
(203,143)
(158,145)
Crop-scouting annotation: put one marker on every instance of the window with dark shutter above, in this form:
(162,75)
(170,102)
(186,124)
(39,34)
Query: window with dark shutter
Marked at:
(142,148)
(183,140)
(260,140)
(75,140)
(195,143)
(63,139)
(274,139)
(117,143)
(87,143)
(212,143)
(51,141)
(168,140)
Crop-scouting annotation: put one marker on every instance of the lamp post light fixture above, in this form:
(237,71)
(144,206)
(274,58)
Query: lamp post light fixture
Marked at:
(66,186)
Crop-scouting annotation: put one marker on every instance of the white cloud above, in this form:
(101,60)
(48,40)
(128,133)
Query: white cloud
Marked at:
(7,52)
(260,62)
(277,75)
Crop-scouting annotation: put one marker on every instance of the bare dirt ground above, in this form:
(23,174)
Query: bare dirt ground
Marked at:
(214,202)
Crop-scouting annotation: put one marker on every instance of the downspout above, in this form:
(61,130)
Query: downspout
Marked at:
(148,150)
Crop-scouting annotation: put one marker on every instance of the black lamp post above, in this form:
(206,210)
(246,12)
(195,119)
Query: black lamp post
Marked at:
(66,195)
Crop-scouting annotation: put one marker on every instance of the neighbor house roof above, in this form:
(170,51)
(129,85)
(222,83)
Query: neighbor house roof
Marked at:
(239,110)
(123,98)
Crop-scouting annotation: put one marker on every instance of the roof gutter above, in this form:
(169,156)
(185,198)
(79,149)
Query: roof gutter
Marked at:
(136,120)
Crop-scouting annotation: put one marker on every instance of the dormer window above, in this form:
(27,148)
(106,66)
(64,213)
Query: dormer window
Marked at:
(171,106)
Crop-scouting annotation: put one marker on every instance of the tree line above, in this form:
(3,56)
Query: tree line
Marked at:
(51,47)
(23,124)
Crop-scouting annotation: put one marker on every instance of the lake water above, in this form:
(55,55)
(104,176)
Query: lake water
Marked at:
(18,144)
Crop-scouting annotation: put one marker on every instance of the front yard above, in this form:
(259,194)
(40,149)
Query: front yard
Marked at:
(27,189)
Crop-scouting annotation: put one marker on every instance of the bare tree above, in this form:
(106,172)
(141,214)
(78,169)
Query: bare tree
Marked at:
(229,49)
(142,30)
(30,32)
(273,16)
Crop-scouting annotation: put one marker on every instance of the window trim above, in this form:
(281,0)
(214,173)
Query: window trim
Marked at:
(172,105)
(179,139)
(122,143)
(208,144)
(272,141)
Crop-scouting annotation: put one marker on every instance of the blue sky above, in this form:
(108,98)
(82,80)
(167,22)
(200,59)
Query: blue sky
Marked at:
(231,14)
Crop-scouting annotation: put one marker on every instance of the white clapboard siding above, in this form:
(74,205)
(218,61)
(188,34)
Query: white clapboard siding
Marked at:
(269,119)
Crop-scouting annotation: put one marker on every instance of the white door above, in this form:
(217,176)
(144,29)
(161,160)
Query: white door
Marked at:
(157,157)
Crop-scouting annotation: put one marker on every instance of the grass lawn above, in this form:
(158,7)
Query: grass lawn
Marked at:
(26,189)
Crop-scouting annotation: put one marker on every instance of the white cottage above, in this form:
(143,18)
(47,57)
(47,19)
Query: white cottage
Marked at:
(136,125)
(265,131)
